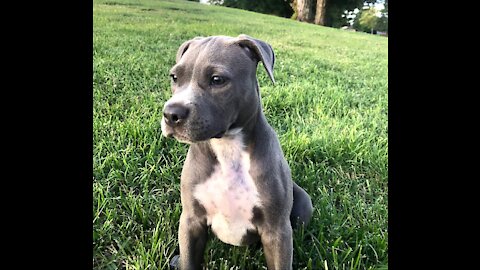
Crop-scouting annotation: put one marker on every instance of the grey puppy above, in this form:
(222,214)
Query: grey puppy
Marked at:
(235,177)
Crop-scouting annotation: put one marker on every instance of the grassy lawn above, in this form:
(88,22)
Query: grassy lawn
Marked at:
(329,108)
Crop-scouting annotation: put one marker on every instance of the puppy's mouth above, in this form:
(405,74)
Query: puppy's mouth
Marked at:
(180,135)
(219,135)
(230,131)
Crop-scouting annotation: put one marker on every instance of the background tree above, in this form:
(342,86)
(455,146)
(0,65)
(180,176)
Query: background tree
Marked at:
(305,10)
(369,19)
(382,23)
(366,20)
(320,12)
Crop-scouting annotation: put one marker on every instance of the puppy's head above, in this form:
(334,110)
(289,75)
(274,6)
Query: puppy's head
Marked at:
(214,86)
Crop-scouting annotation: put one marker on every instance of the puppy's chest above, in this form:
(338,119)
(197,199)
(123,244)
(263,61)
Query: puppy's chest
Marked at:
(229,195)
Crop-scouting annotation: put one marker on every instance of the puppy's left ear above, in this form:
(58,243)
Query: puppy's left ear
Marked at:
(262,51)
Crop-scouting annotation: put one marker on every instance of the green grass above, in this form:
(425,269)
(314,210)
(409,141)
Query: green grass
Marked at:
(329,108)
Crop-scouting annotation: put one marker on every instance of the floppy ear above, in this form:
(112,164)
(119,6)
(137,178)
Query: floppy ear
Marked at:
(262,50)
(184,47)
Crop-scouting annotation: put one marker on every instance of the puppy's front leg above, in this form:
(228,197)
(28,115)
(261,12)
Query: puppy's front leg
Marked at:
(278,247)
(192,236)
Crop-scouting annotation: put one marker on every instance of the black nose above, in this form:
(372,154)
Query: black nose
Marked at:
(175,114)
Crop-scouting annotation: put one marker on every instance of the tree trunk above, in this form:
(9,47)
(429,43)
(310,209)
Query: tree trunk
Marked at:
(320,12)
(305,10)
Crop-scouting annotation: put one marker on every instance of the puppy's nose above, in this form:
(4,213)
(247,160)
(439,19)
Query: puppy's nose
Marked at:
(175,114)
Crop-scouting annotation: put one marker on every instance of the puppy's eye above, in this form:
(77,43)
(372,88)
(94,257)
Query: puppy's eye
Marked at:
(217,80)
(174,77)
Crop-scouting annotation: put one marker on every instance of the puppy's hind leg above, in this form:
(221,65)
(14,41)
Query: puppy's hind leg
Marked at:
(302,208)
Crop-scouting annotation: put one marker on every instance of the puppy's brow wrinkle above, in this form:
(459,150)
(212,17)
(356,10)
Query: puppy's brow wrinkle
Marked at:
(177,69)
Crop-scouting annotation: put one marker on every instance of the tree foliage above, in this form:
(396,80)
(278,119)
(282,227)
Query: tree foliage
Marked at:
(382,24)
(280,8)
(332,10)
(335,9)
(368,19)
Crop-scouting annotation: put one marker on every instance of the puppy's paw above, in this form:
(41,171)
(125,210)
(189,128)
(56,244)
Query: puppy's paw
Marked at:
(174,262)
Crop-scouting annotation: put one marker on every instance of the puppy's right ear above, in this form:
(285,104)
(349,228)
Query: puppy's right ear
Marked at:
(184,47)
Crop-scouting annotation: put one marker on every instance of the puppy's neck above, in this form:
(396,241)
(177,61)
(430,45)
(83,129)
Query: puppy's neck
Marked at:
(230,149)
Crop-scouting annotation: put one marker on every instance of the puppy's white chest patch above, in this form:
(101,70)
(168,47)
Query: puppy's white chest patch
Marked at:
(229,194)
